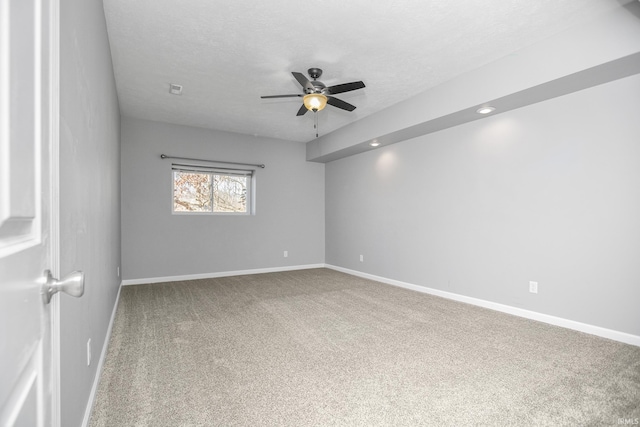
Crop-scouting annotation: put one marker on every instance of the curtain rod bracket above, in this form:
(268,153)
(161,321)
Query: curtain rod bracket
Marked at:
(164,156)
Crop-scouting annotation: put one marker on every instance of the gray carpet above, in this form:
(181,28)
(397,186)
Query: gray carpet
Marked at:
(322,348)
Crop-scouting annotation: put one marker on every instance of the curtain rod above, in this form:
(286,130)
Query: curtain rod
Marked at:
(164,156)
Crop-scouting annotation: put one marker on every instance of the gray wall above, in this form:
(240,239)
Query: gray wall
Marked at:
(156,243)
(89,195)
(549,193)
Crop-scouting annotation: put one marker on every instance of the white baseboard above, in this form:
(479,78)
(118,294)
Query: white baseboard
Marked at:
(545,318)
(103,355)
(219,274)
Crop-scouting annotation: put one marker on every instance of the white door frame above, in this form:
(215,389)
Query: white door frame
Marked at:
(54,109)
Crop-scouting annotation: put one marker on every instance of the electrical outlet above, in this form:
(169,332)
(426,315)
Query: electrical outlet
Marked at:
(286,254)
(118,271)
(361,258)
(89,352)
(533,287)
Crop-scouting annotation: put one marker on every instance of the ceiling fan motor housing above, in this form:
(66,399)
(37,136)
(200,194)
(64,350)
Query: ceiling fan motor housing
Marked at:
(319,87)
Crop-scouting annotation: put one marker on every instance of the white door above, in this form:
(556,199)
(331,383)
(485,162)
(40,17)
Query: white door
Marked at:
(27,138)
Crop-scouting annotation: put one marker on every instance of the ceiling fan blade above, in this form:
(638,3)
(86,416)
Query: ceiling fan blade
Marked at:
(340,103)
(345,87)
(302,111)
(280,96)
(303,81)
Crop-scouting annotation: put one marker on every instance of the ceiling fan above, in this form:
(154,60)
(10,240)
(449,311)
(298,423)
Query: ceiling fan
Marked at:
(316,95)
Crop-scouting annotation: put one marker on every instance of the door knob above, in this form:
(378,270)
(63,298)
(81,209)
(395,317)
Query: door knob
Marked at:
(72,284)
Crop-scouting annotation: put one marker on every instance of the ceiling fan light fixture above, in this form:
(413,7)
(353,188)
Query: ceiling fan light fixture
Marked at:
(314,101)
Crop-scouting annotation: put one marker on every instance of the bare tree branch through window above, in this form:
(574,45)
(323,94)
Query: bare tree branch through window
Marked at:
(195,191)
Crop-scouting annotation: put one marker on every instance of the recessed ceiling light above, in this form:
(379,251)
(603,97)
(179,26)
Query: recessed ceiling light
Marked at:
(374,144)
(485,110)
(175,89)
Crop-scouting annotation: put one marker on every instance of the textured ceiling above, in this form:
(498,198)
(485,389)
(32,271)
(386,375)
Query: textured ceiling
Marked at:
(226,54)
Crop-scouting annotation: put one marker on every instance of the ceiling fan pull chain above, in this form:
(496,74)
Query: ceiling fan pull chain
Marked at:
(315,125)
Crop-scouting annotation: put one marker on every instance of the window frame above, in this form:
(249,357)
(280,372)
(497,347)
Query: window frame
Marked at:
(250,174)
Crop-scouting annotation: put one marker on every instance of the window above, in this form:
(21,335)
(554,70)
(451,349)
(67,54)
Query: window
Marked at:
(199,189)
